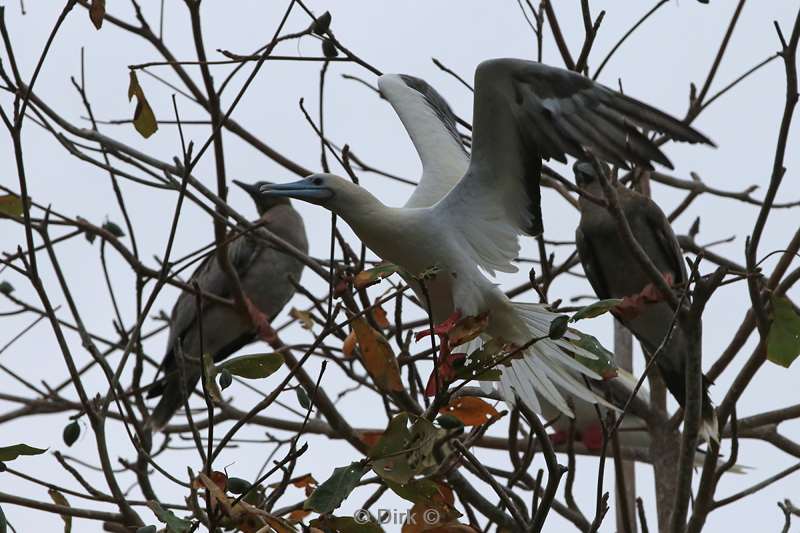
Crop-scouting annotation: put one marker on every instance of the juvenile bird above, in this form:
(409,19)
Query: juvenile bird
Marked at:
(614,272)
(264,273)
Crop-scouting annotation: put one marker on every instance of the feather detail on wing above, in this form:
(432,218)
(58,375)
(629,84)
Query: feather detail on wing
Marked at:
(431,125)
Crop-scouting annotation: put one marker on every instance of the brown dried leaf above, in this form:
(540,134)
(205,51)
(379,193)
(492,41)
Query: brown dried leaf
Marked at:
(96,12)
(143,118)
(470,410)
(377,356)
(304,317)
(349,345)
(379,315)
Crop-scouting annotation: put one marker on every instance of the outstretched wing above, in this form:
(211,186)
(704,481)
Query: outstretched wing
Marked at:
(525,112)
(431,125)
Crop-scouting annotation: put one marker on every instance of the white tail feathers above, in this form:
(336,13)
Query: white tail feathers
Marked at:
(546,369)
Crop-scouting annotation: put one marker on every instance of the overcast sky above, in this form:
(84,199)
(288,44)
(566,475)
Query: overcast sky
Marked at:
(673,49)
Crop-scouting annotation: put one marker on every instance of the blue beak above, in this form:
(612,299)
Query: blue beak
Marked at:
(301,190)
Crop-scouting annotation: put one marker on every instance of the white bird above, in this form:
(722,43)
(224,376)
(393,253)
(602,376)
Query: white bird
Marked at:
(466,214)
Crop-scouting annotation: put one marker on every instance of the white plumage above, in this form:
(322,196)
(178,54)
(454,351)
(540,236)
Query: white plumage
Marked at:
(467,212)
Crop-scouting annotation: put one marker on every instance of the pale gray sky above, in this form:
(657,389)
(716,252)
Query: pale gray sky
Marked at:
(657,64)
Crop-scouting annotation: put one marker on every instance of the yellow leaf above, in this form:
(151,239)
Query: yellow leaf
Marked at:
(59,499)
(96,12)
(470,410)
(378,357)
(143,118)
(304,317)
(11,204)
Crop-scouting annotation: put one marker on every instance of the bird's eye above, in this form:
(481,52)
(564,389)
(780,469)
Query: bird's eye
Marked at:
(317,181)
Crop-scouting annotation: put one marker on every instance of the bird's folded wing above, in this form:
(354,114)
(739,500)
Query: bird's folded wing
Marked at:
(524,112)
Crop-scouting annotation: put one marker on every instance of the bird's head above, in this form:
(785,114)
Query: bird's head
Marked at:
(327,190)
(263,203)
(585,174)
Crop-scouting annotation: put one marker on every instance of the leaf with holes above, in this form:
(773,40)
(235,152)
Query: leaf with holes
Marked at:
(143,118)
(783,339)
(373,275)
(377,356)
(59,499)
(333,491)
(596,309)
(9,453)
(472,411)
(254,366)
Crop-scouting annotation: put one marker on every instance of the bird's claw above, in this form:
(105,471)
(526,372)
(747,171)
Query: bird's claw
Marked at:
(263,328)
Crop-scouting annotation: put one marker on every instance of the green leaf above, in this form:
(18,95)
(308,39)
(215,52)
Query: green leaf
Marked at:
(237,485)
(147,529)
(596,309)
(332,492)
(143,118)
(415,491)
(346,524)
(6,288)
(211,378)
(59,499)
(402,451)
(9,453)
(225,379)
(254,366)
(783,339)
(604,364)
(89,236)
(167,517)
(302,397)
(449,422)
(71,432)
(368,277)
(558,326)
(11,204)
(113,229)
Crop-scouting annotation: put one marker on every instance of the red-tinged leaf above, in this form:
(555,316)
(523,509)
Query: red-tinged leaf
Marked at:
(143,118)
(297,515)
(370,438)
(377,356)
(379,315)
(468,328)
(368,277)
(446,372)
(472,411)
(634,305)
(349,345)
(96,12)
(304,481)
(304,317)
